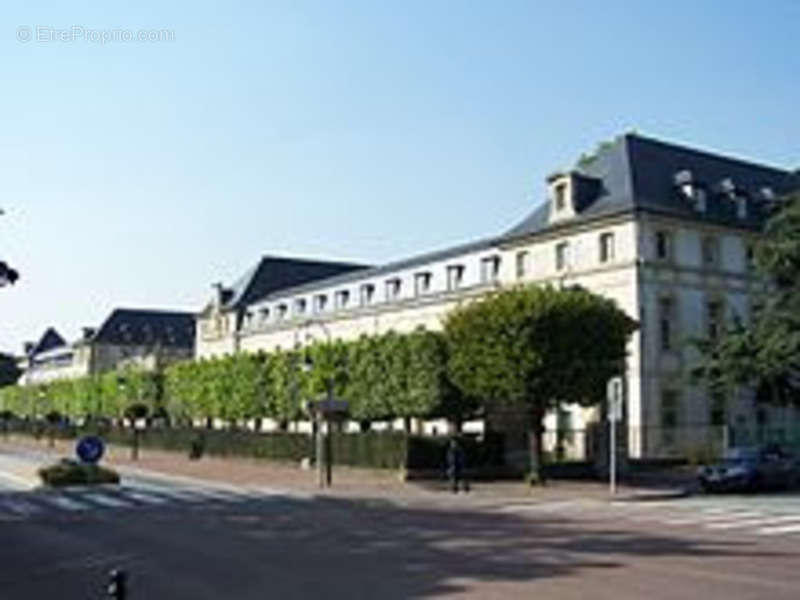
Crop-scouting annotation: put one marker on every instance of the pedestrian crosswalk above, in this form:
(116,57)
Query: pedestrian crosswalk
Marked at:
(23,505)
(772,516)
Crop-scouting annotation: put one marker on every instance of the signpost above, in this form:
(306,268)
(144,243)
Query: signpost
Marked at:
(324,411)
(615,392)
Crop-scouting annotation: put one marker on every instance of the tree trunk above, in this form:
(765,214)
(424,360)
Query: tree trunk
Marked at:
(536,473)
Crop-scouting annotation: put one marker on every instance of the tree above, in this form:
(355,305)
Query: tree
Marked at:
(537,347)
(9,371)
(7,274)
(764,353)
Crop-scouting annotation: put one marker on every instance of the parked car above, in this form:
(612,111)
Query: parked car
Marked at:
(751,469)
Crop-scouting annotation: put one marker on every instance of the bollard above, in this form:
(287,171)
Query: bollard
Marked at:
(117,584)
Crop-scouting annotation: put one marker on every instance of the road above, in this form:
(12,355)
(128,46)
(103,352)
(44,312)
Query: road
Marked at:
(181,539)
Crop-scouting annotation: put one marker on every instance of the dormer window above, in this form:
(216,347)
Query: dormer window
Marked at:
(695,194)
(422,283)
(342,299)
(455,275)
(282,311)
(300,306)
(490,269)
(741,206)
(320,303)
(367,294)
(263,315)
(393,288)
(560,195)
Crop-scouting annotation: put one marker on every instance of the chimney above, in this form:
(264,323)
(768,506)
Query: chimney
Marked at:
(219,298)
(28,348)
(88,333)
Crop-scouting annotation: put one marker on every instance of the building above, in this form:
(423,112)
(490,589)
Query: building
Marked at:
(146,339)
(664,230)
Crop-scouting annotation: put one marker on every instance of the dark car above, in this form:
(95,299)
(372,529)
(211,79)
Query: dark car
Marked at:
(751,469)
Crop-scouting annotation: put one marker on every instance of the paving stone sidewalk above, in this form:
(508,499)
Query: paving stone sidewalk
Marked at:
(347,481)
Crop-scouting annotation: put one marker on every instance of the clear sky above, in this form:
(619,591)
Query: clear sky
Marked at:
(137,174)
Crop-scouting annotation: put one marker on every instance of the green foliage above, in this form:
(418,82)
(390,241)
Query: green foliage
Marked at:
(764,353)
(69,472)
(537,347)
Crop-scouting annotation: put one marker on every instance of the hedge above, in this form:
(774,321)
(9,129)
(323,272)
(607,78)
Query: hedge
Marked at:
(380,450)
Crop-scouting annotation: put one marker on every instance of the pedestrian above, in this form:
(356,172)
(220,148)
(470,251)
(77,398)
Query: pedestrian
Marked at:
(456,466)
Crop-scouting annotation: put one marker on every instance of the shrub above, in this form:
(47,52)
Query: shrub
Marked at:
(70,472)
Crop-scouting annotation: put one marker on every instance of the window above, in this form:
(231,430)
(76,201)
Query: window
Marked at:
(300,306)
(710,251)
(663,245)
(741,207)
(367,294)
(455,275)
(320,303)
(422,283)
(490,269)
(750,256)
(560,195)
(393,288)
(562,256)
(282,311)
(670,415)
(606,247)
(714,319)
(717,409)
(342,298)
(264,315)
(522,264)
(665,316)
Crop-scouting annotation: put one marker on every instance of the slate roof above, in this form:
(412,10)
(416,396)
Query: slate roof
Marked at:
(272,274)
(135,327)
(636,173)
(50,339)
(392,267)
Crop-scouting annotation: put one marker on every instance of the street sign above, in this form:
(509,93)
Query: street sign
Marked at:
(615,395)
(328,407)
(90,449)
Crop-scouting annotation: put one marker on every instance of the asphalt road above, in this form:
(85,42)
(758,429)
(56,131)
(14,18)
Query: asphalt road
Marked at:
(184,541)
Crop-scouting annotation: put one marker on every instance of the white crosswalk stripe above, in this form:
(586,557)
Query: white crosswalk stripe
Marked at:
(759,516)
(20,505)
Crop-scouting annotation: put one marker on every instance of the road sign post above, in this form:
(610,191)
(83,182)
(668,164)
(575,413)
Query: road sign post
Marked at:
(615,395)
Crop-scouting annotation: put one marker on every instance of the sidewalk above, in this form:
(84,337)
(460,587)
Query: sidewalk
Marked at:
(347,481)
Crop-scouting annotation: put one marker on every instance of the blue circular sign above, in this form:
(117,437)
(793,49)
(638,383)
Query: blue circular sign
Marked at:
(90,449)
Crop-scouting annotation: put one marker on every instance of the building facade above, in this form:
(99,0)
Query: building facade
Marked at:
(663,230)
(145,339)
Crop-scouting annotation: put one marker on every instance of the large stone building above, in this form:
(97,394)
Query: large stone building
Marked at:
(664,230)
(145,339)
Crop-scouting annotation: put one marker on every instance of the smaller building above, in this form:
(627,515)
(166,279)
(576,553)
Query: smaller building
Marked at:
(146,339)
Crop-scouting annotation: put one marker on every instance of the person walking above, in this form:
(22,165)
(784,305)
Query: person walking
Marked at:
(456,466)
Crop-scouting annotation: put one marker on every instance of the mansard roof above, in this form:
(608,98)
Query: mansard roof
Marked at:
(636,173)
(392,267)
(273,274)
(136,327)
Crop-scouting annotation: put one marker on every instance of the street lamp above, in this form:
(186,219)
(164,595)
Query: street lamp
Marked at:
(322,411)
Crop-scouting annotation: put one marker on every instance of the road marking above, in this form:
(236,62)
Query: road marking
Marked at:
(65,503)
(779,530)
(146,498)
(703,519)
(764,520)
(104,500)
(21,507)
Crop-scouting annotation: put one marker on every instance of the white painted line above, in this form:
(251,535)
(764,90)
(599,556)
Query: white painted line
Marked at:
(754,522)
(779,530)
(104,500)
(146,498)
(702,519)
(65,503)
(19,482)
(21,507)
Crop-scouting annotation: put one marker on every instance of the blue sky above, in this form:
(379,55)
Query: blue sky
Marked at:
(137,174)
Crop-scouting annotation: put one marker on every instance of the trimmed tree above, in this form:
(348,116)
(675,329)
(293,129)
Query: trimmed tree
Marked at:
(535,348)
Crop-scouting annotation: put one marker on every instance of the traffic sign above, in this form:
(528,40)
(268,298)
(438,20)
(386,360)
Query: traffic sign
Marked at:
(90,449)
(615,395)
